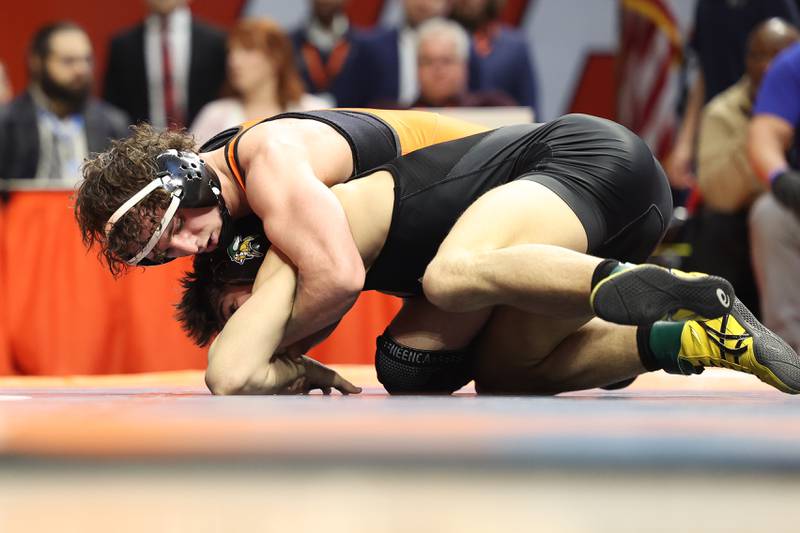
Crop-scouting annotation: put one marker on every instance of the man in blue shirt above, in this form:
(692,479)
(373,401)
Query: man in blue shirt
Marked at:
(718,42)
(774,222)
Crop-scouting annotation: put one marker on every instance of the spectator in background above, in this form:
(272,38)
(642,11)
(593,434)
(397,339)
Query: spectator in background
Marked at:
(718,44)
(47,131)
(775,218)
(502,58)
(262,76)
(726,180)
(331,55)
(443,57)
(5,86)
(166,68)
(392,54)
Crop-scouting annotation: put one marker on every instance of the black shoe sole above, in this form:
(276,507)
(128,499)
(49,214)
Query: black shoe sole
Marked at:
(770,350)
(646,293)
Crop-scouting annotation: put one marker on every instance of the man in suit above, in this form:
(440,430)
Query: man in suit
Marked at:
(331,55)
(443,66)
(393,53)
(49,129)
(166,68)
(501,60)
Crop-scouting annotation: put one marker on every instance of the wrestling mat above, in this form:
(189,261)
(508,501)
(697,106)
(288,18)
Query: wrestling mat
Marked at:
(157,452)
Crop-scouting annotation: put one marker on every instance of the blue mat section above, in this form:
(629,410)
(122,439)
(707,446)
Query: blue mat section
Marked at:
(636,429)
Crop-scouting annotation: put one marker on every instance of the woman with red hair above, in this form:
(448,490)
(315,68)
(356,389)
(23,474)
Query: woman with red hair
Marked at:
(262,79)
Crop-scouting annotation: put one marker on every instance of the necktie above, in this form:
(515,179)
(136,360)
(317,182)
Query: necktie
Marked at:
(171,112)
(55,157)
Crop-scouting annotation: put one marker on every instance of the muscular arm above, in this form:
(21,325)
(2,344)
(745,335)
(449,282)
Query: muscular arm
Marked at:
(775,114)
(239,360)
(305,221)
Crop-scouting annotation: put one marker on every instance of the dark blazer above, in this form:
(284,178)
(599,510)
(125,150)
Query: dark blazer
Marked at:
(19,134)
(351,87)
(126,76)
(508,67)
(383,65)
(381,68)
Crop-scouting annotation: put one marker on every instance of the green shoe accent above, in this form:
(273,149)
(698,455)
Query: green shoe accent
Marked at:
(665,346)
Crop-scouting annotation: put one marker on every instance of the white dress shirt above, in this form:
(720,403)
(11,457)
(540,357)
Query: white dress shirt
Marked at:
(409,84)
(62,143)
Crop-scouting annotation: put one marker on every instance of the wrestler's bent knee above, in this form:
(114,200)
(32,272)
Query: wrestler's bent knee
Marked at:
(443,285)
(405,370)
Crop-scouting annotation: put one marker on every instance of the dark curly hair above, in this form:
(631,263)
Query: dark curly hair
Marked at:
(200,309)
(112,177)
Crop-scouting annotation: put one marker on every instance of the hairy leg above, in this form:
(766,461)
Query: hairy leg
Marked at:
(518,352)
(521,353)
(519,245)
(421,325)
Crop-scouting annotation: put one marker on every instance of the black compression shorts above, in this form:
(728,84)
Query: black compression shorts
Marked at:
(610,179)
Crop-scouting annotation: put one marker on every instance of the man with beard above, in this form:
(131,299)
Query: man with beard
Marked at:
(48,130)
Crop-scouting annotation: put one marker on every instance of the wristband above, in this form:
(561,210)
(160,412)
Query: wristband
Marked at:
(775,173)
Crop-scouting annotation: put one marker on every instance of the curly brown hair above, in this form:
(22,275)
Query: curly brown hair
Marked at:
(112,177)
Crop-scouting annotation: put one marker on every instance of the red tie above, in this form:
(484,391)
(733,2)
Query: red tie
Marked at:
(171,111)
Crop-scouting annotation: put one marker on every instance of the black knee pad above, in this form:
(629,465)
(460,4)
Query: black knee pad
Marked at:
(405,370)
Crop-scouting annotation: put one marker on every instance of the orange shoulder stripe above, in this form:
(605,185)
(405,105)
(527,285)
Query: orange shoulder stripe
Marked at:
(231,155)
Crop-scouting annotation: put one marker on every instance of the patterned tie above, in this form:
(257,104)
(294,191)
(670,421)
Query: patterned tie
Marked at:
(56,172)
(172,114)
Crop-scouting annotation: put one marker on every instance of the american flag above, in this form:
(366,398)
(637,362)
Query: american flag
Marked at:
(649,58)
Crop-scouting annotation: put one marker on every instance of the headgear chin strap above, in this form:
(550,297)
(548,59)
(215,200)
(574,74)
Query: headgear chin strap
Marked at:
(189,183)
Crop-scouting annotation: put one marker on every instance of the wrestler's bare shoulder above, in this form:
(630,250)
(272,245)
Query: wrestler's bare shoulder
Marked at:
(324,148)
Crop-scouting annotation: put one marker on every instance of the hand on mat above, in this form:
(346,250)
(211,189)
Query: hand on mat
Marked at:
(312,375)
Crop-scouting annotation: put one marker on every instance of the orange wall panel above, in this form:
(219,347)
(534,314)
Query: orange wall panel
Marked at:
(62,313)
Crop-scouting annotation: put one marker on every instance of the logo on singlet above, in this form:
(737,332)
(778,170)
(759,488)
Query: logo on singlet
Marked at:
(244,248)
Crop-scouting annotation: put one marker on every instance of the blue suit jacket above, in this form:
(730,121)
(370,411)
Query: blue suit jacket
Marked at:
(352,86)
(384,63)
(508,68)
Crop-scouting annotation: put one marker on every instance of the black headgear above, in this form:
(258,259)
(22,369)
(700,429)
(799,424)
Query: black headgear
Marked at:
(190,183)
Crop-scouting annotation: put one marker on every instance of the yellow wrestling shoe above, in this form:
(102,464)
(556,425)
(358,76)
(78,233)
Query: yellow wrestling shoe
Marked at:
(740,342)
(643,294)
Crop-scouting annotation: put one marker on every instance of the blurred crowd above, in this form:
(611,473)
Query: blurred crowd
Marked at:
(733,159)
(174,70)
